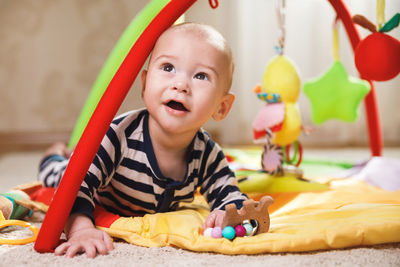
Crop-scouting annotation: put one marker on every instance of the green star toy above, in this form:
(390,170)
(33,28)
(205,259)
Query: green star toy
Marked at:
(335,95)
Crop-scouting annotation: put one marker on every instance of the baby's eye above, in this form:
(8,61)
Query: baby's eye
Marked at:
(201,76)
(168,67)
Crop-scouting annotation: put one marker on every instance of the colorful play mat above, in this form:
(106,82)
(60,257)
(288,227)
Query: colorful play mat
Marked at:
(319,213)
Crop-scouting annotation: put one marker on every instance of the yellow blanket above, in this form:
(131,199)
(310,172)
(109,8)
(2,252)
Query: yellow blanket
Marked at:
(351,213)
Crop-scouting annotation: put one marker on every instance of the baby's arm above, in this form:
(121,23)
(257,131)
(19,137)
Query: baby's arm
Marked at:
(53,165)
(82,236)
(58,148)
(219,186)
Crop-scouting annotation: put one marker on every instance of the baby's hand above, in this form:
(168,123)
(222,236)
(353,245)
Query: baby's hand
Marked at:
(214,219)
(89,240)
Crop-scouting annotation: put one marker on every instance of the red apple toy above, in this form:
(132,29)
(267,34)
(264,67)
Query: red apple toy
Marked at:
(377,57)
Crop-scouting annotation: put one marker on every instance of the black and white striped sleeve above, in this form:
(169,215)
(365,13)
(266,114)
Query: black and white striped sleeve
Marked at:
(100,171)
(219,182)
(51,170)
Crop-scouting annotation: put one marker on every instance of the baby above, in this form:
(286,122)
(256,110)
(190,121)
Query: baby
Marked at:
(154,158)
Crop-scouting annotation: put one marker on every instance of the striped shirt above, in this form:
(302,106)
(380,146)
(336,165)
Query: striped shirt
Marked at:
(125,178)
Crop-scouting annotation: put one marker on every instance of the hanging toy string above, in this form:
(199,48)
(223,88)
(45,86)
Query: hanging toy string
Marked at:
(213,3)
(335,45)
(280,12)
(380,13)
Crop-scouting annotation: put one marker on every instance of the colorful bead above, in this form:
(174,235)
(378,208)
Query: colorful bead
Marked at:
(249,229)
(240,230)
(216,232)
(207,232)
(228,232)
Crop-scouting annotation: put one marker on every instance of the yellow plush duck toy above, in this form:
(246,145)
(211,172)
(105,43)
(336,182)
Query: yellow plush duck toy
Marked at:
(279,121)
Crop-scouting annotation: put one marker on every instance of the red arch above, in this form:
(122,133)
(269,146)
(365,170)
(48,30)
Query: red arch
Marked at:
(112,99)
(373,121)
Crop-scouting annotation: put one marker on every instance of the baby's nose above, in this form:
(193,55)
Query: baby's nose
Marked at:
(182,86)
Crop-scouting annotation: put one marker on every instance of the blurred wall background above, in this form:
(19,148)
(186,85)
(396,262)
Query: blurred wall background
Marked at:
(51,51)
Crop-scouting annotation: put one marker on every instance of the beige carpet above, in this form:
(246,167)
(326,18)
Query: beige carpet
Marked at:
(129,255)
(124,254)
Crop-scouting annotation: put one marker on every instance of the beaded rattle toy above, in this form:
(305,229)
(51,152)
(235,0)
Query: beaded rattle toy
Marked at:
(242,220)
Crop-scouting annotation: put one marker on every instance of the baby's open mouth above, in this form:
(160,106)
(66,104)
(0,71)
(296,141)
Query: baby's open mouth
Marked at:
(176,105)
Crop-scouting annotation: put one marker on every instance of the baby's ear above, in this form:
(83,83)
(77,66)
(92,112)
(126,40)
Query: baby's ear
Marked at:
(143,78)
(224,107)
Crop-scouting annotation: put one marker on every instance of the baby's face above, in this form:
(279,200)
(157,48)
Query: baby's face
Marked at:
(186,80)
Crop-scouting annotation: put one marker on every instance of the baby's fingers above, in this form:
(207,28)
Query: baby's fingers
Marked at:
(91,249)
(219,220)
(71,249)
(210,220)
(104,246)
(108,241)
(61,249)
(87,247)
(214,219)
